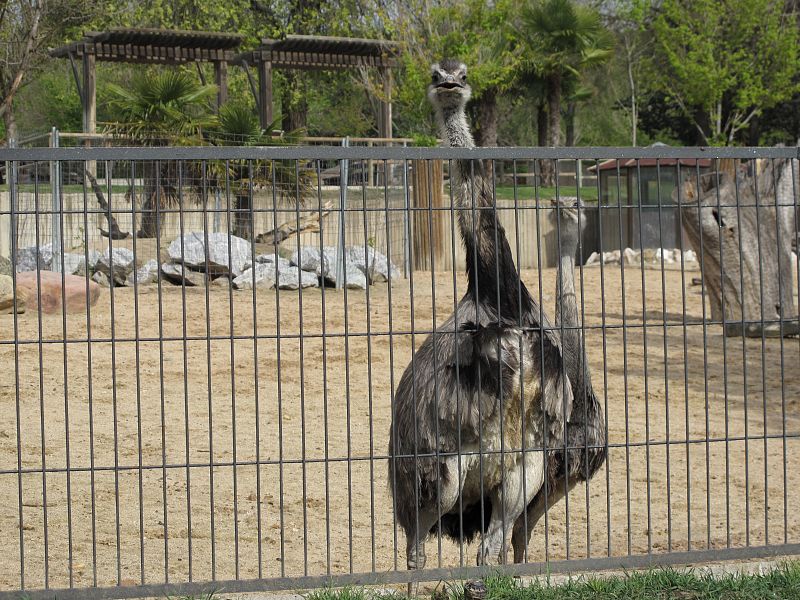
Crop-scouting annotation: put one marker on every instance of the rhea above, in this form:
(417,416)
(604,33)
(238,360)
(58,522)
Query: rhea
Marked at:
(487,392)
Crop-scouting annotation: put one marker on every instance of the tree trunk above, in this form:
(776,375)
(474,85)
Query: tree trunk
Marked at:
(487,119)
(294,106)
(553,127)
(541,124)
(10,123)
(570,123)
(746,247)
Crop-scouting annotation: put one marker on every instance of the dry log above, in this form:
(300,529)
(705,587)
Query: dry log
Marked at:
(741,228)
(310,224)
(114,231)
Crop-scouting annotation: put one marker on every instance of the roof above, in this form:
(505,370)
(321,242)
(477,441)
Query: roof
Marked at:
(633,163)
(165,46)
(323,52)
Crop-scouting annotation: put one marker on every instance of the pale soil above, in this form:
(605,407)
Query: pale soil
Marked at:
(329,398)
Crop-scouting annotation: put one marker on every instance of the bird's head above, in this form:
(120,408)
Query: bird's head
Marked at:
(449,87)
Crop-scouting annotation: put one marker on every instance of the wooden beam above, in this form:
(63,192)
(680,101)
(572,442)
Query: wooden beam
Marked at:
(265,94)
(89,93)
(221,79)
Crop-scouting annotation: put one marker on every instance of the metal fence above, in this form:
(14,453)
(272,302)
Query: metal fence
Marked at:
(224,434)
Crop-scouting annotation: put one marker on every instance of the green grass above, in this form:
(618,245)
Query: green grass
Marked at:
(782,583)
(528,192)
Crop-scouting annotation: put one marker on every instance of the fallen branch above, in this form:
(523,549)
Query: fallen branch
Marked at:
(114,231)
(309,224)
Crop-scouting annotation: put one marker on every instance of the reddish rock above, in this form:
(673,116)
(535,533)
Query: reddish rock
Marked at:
(74,297)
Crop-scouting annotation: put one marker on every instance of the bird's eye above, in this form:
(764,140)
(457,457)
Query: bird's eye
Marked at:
(434,77)
(464,77)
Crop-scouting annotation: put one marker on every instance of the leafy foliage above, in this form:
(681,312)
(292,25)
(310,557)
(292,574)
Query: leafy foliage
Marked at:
(725,62)
(161,107)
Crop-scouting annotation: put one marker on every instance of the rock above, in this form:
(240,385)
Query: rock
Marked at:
(261,275)
(5,266)
(182,275)
(27,258)
(292,278)
(372,263)
(631,256)
(309,258)
(665,255)
(123,263)
(7,303)
(594,258)
(101,279)
(222,282)
(223,250)
(73,296)
(147,273)
(689,256)
(282,263)
(74,263)
(324,265)
(611,257)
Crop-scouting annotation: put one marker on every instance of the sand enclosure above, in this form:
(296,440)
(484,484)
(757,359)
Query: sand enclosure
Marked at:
(293,382)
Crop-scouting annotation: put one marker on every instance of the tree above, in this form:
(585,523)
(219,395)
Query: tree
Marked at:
(27,28)
(724,63)
(555,42)
(160,108)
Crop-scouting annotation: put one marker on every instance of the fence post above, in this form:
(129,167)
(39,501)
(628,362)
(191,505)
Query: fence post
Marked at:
(55,193)
(406,221)
(340,257)
(429,228)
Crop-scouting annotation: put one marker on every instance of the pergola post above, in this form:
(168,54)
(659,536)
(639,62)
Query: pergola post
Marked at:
(386,104)
(265,93)
(221,80)
(89,93)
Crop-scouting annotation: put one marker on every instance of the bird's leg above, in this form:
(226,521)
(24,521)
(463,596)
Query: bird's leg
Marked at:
(508,504)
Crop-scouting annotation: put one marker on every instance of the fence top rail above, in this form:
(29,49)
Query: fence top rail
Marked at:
(389,153)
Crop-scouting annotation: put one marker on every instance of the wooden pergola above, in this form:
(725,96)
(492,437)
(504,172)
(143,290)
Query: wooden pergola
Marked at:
(146,46)
(307,52)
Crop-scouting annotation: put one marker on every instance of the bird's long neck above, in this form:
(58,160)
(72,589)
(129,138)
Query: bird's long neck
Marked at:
(567,306)
(491,273)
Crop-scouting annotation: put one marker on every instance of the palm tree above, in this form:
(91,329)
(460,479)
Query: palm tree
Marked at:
(161,108)
(557,41)
(238,125)
(172,108)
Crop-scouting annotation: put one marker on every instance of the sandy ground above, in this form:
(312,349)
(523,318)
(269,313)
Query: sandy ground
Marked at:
(175,377)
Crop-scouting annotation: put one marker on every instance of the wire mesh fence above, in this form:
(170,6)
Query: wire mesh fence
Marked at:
(202,396)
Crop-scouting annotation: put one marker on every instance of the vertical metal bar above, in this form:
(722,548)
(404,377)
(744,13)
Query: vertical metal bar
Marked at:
(55,196)
(40,342)
(394,451)
(156,165)
(340,256)
(763,347)
(644,356)
(603,330)
(256,399)
(625,354)
(665,334)
(406,222)
(281,511)
(114,405)
(138,381)
(725,371)
(231,329)
(12,186)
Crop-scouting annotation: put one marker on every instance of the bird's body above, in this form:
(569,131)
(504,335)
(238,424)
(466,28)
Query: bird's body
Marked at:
(485,385)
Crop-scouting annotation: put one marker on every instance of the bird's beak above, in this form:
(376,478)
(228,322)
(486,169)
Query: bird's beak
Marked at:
(449,83)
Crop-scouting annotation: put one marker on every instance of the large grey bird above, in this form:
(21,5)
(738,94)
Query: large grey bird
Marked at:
(584,448)
(487,383)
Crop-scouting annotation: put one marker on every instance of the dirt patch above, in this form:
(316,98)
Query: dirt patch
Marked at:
(149,383)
